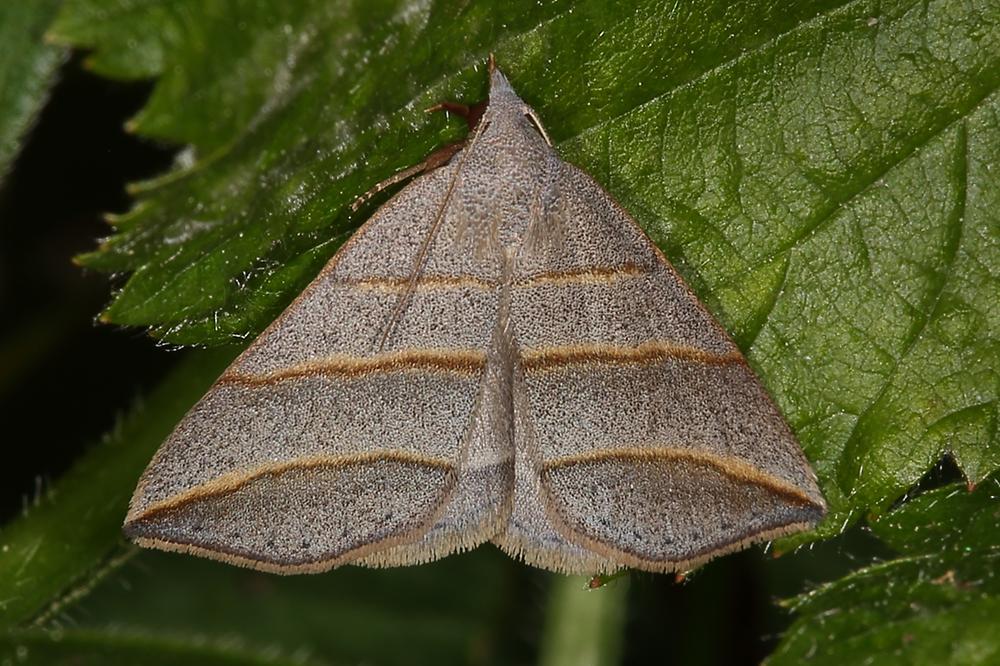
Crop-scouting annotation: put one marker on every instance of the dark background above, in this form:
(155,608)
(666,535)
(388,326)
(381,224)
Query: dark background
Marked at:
(64,379)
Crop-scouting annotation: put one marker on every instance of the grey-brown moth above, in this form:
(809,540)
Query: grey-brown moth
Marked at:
(499,354)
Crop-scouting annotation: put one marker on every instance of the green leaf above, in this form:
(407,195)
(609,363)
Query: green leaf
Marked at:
(936,604)
(830,194)
(822,172)
(89,648)
(27,70)
(61,545)
(452,609)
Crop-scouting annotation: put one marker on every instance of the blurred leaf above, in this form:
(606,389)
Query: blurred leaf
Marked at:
(60,546)
(820,171)
(86,648)
(27,69)
(453,609)
(936,604)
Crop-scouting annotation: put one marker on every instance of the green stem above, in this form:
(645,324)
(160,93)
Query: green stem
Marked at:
(584,627)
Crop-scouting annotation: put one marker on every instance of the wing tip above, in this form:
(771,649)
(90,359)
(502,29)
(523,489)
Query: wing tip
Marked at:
(265,566)
(143,533)
(197,521)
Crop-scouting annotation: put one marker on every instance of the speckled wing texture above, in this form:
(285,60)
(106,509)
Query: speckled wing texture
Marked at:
(359,427)
(498,354)
(643,437)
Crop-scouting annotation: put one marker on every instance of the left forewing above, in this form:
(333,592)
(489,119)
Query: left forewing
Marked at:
(341,433)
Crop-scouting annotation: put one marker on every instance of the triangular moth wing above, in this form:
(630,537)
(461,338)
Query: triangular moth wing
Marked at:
(642,437)
(327,442)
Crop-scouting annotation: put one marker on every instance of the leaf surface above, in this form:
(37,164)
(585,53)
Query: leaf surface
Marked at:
(823,174)
(27,70)
(62,544)
(937,603)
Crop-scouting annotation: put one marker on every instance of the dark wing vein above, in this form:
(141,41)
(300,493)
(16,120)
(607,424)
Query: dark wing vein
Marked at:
(420,261)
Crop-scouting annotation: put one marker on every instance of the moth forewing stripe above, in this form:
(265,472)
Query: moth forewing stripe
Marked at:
(730,466)
(553,358)
(395,285)
(595,275)
(452,361)
(233,481)
(591,275)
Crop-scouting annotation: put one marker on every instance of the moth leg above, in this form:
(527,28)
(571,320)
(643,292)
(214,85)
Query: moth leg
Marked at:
(437,159)
(472,114)
(440,157)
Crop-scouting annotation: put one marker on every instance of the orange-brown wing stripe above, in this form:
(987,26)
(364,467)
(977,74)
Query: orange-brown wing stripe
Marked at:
(233,481)
(550,358)
(592,275)
(454,361)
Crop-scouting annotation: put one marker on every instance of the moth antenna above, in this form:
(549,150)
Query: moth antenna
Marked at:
(472,114)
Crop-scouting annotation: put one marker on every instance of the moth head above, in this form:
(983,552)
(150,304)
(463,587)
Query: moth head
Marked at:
(503,100)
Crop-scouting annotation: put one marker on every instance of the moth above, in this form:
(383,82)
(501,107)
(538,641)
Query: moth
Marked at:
(500,354)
